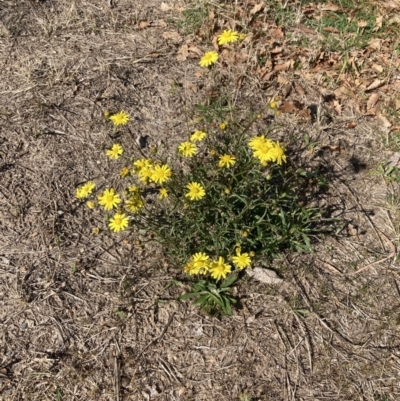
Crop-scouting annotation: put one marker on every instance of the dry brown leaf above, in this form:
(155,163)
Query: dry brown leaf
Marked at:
(386,123)
(286,89)
(144,24)
(173,36)
(375,44)
(362,24)
(396,86)
(377,67)
(289,106)
(258,7)
(195,50)
(277,32)
(337,106)
(375,84)
(373,99)
(329,7)
(299,89)
(165,7)
(183,53)
(352,124)
(264,275)
(331,29)
(305,114)
(282,79)
(378,23)
(285,66)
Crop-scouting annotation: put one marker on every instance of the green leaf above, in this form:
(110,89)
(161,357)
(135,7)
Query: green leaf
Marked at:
(229,280)
(188,295)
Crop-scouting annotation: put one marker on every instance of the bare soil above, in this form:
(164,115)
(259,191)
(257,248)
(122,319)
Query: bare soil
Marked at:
(87,317)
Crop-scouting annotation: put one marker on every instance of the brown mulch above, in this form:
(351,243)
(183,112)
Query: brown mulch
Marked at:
(86,317)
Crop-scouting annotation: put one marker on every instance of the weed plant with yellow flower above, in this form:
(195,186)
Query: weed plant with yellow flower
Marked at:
(221,203)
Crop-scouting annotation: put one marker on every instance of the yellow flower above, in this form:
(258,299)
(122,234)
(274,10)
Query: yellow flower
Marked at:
(223,126)
(258,141)
(228,36)
(272,104)
(241,260)
(142,163)
(208,59)
(161,174)
(277,153)
(120,118)
(90,204)
(196,191)
(85,190)
(189,268)
(219,269)
(198,136)
(119,222)
(124,172)
(263,153)
(201,263)
(163,193)
(145,174)
(115,152)
(109,199)
(227,191)
(242,36)
(187,149)
(226,161)
(133,189)
(96,230)
(134,203)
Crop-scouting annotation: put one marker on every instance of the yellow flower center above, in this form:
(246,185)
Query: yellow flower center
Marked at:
(195,191)
(117,221)
(109,198)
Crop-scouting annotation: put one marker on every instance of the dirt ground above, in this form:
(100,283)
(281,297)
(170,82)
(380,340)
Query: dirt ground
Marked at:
(87,317)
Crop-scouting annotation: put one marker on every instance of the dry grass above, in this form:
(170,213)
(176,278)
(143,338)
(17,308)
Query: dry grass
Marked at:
(95,318)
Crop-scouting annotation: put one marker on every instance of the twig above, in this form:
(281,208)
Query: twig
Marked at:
(392,254)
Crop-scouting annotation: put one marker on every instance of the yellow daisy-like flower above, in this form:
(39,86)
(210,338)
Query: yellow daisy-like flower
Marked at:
(163,193)
(258,141)
(263,152)
(85,190)
(109,199)
(228,36)
(208,59)
(90,204)
(134,203)
(226,161)
(145,174)
(161,174)
(201,263)
(189,268)
(118,222)
(132,189)
(241,260)
(223,126)
(120,118)
(115,152)
(219,269)
(277,153)
(196,191)
(198,136)
(124,172)
(187,149)
(142,163)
